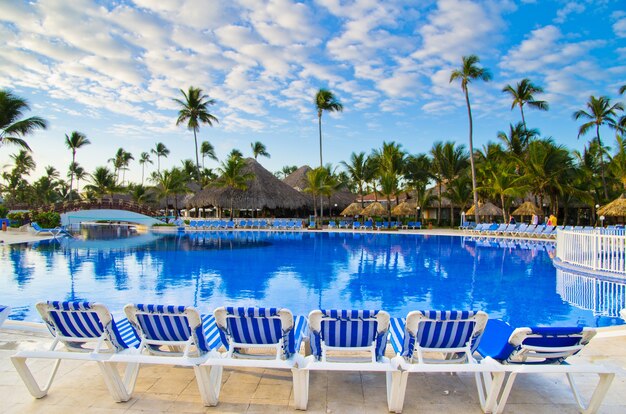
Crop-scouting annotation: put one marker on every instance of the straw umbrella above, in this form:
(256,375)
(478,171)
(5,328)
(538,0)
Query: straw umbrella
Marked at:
(403,209)
(486,209)
(527,209)
(616,208)
(352,210)
(374,209)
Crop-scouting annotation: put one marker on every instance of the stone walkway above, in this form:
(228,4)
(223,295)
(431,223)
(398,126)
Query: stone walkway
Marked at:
(79,387)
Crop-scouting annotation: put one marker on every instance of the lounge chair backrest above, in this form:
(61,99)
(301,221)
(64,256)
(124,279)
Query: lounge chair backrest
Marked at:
(440,330)
(348,329)
(74,323)
(256,326)
(546,345)
(168,325)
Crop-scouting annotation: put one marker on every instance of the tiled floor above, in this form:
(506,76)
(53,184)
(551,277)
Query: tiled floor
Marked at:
(79,388)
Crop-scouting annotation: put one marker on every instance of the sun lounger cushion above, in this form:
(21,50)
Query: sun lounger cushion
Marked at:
(74,319)
(170,323)
(495,341)
(441,329)
(348,329)
(261,326)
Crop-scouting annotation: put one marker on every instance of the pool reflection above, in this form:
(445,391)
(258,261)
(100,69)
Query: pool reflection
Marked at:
(298,270)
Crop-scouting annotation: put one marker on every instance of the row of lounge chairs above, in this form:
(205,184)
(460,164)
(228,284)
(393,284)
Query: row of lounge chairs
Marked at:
(277,224)
(181,336)
(517,230)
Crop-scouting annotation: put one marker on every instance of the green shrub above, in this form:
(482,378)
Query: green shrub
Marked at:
(164,225)
(47,219)
(19,219)
(3,211)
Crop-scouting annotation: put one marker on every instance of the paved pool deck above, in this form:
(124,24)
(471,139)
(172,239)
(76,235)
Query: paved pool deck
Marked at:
(80,388)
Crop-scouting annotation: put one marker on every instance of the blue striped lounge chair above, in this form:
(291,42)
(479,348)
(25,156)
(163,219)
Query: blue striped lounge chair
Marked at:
(368,225)
(347,332)
(453,334)
(246,331)
(520,229)
(356,225)
(88,332)
(542,350)
(332,224)
(4,313)
(172,335)
(193,224)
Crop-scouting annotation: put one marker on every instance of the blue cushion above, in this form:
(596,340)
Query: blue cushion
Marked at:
(495,340)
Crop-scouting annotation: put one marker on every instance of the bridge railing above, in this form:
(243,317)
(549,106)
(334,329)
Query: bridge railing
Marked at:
(595,249)
(102,204)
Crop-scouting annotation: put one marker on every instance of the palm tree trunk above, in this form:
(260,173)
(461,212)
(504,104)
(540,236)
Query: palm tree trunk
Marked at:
(439,205)
(521,108)
(142,170)
(195,140)
(72,172)
(451,214)
(471,154)
(503,209)
(606,194)
(158,164)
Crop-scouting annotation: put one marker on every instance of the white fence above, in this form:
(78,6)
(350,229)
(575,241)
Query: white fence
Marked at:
(595,249)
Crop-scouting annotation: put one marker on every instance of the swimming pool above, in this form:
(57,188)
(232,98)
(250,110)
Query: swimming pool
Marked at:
(298,270)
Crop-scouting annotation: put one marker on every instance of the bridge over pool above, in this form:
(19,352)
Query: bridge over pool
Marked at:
(72,218)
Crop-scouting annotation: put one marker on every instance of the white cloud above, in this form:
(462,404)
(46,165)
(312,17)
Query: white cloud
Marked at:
(619,27)
(570,8)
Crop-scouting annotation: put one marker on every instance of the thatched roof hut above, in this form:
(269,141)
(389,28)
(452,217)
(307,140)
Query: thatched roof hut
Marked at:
(374,209)
(352,210)
(404,209)
(528,208)
(264,191)
(299,181)
(486,209)
(616,208)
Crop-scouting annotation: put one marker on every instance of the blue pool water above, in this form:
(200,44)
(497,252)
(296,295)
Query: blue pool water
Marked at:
(297,270)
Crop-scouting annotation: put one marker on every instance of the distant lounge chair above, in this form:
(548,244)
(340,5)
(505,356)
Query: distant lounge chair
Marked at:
(542,351)
(4,313)
(332,224)
(38,229)
(368,225)
(356,225)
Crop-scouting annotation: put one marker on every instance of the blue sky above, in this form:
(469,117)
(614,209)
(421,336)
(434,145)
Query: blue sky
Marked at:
(111,68)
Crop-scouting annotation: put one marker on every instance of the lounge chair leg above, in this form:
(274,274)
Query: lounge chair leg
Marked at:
(598,393)
(300,388)
(29,380)
(209,379)
(121,389)
(508,385)
(396,390)
(489,386)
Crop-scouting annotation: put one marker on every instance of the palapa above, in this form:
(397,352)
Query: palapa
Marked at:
(263,190)
(374,209)
(528,208)
(616,208)
(352,210)
(486,209)
(404,209)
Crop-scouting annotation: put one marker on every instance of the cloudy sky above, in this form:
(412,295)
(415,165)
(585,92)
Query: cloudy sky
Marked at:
(110,69)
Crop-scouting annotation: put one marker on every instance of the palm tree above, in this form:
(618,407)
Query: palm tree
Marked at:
(73,142)
(286,170)
(516,142)
(120,162)
(601,112)
(438,168)
(207,150)
(12,127)
(144,159)
(194,111)
(453,162)
(504,184)
(235,153)
(325,100)
(468,72)
(258,148)
(77,172)
(389,186)
(459,192)
(232,175)
(168,183)
(522,95)
(160,151)
(103,182)
(358,172)
(318,185)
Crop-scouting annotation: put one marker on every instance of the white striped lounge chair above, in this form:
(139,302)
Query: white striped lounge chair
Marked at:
(88,332)
(542,350)
(172,335)
(246,331)
(4,313)
(347,331)
(453,334)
